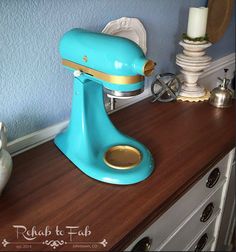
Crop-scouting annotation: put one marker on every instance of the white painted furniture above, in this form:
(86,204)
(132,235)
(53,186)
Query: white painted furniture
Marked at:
(193,223)
(225,238)
(193,61)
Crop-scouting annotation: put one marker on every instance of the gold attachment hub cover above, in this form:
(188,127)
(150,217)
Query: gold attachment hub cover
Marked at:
(122,157)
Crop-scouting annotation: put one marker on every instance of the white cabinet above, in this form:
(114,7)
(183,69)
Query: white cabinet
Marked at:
(194,221)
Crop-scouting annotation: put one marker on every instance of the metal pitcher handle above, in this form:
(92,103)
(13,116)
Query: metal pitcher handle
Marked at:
(3,136)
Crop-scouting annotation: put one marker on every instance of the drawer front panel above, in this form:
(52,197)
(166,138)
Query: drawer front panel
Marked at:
(209,244)
(159,231)
(206,237)
(193,224)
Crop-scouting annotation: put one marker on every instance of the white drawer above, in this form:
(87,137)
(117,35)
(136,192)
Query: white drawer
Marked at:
(209,244)
(159,231)
(206,236)
(193,225)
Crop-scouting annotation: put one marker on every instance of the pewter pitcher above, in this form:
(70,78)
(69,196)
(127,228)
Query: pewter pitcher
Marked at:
(222,96)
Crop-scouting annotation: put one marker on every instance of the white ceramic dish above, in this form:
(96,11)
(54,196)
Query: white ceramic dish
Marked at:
(130,28)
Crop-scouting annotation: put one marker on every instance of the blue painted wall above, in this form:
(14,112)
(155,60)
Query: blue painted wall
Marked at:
(35,90)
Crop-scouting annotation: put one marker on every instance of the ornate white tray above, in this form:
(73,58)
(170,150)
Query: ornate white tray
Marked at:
(130,28)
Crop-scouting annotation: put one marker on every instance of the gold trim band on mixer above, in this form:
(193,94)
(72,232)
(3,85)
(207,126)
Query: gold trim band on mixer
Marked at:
(114,79)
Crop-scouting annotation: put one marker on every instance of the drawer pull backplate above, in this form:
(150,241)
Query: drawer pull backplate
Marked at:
(213,178)
(143,245)
(201,243)
(207,212)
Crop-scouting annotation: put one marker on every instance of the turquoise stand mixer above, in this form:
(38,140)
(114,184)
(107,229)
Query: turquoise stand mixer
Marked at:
(103,63)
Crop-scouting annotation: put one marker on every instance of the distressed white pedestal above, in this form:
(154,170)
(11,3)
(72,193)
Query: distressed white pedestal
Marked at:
(193,61)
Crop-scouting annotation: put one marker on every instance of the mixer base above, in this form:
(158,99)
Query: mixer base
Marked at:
(95,146)
(97,168)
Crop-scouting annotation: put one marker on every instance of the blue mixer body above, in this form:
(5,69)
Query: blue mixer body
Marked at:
(116,64)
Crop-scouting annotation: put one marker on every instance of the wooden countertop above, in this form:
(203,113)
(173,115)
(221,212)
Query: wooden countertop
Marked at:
(46,189)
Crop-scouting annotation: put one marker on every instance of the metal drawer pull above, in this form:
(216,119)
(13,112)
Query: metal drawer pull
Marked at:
(207,212)
(201,243)
(143,245)
(213,178)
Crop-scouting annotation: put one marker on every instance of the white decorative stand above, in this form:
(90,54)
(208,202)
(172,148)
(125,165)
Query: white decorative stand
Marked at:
(193,61)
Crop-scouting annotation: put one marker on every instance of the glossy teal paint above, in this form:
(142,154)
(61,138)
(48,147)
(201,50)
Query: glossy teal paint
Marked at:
(117,56)
(90,132)
(105,53)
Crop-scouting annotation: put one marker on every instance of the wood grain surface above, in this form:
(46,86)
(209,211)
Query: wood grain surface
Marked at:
(46,189)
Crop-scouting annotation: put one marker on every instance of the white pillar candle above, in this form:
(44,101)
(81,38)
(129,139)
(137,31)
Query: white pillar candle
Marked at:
(197,22)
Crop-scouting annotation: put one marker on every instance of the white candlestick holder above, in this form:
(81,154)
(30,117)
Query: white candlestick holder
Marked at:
(193,61)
